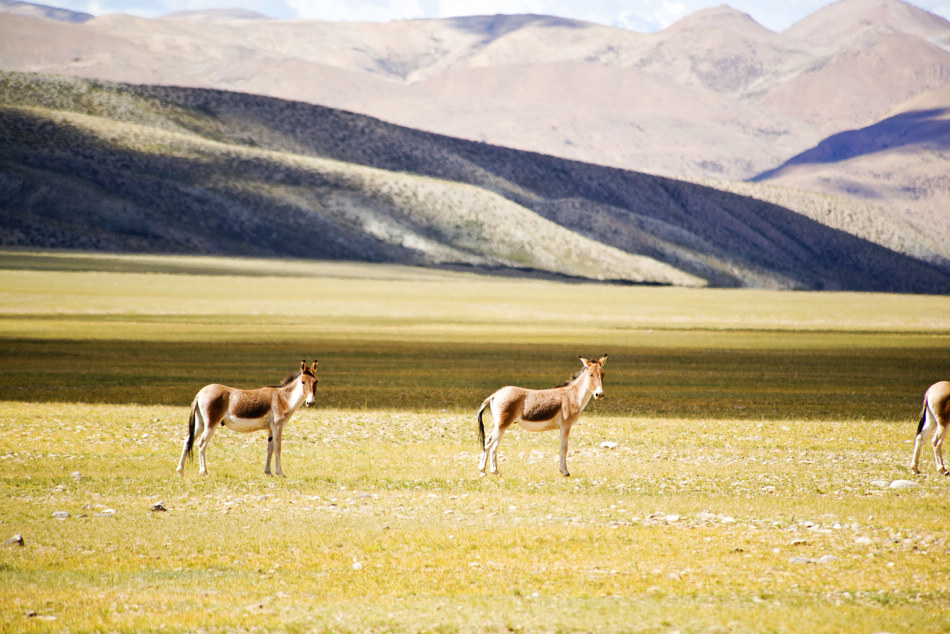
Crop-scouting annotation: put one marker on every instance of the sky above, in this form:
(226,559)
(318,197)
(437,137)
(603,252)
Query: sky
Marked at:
(639,15)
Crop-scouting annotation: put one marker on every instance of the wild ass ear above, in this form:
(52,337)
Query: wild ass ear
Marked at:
(602,360)
(303,365)
(314,366)
(586,362)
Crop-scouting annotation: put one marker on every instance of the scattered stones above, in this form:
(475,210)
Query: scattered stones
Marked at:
(159,507)
(16,540)
(609,444)
(61,515)
(863,541)
(77,476)
(823,560)
(903,484)
(881,484)
(106,513)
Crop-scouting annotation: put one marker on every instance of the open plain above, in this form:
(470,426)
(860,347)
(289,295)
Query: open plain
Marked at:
(754,476)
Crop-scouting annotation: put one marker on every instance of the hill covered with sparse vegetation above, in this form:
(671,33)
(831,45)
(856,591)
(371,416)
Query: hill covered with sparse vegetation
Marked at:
(114,167)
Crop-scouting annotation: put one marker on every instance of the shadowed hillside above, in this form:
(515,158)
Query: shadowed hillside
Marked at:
(713,97)
(133,168)
(34,10)
(921,127)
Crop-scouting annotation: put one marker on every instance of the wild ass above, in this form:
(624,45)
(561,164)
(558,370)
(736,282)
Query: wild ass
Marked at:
(934,416)
(540,410)
(266,408)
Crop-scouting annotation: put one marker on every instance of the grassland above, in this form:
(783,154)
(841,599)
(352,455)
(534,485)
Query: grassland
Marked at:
(758,434)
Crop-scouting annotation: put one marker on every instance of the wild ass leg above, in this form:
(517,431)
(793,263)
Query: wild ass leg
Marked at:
(270,450)
(565,432)
(937,442)
(273,446)
(181,463)
(203,444)
(919,441)
(490,452)
(195,427)
(483,461)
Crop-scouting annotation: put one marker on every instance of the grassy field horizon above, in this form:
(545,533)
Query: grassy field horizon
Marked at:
(759,436)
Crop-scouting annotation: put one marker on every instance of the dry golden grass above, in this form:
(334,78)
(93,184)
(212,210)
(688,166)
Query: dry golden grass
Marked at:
(749,491)
(383,524)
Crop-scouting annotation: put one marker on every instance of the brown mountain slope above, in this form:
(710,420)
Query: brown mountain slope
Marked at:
(91,165)
(503,78)
(33,10)
(901,159)
(713,96)
(860,80)
(845,18)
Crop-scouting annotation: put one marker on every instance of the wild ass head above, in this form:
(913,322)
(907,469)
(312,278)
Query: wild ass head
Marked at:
(308,381)
(595,370)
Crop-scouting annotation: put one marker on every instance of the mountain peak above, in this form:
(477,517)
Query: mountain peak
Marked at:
(217,15)
(32,10)
(723,18)
(844,18)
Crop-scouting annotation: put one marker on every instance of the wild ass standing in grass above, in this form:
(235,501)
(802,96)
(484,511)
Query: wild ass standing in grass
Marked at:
(934,415)
(267,408)
(540,410)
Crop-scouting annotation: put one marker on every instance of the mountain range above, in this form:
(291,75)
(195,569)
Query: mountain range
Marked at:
(842,121)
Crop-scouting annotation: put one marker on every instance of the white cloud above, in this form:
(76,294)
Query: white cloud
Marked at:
(647,15)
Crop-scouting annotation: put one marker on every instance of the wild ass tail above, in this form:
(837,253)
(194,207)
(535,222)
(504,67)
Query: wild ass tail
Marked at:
(923,415)
(190,440)
(481,425)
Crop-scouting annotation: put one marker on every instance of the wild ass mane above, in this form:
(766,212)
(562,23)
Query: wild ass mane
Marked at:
(290,378)
(572,379)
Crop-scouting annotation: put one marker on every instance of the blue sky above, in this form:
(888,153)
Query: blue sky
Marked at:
(640,15)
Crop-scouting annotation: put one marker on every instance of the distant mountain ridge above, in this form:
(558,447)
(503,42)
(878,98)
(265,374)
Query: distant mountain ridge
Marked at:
(714,96)
(826,117)
(144,168)
(732,97)
(33,10)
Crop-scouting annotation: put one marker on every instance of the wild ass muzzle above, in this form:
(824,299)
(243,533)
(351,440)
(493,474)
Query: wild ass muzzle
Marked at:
(264,409)
(934,416)
(540,410)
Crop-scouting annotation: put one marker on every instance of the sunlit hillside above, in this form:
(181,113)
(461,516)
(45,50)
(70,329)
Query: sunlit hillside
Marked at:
(100,166)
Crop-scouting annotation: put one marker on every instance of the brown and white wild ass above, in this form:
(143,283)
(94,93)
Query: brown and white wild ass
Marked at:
(264,409)
(934,416)
(540,410)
